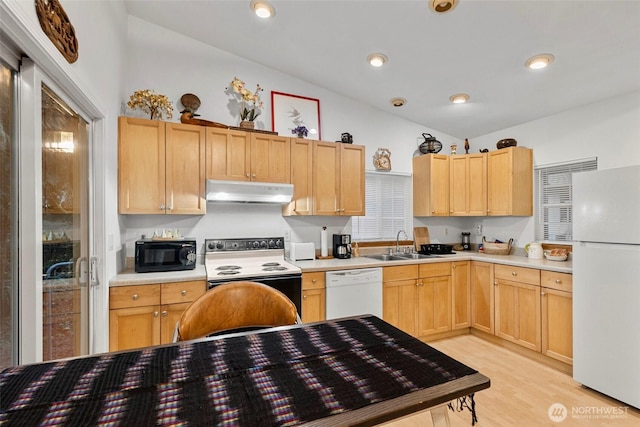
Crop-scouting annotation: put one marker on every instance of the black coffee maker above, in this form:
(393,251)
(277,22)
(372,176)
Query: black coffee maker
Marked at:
(342,246)
(466,240)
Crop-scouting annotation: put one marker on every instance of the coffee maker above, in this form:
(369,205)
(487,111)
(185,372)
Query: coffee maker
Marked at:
(342,245)
(466,240)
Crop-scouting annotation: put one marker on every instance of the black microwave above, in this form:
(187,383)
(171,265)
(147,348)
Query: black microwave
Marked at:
(165,255)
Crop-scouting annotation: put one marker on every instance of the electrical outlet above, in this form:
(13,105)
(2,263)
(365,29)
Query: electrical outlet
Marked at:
(479,229)
(287,235)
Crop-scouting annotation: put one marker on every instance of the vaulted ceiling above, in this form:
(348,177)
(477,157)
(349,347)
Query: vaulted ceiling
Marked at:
(478,48)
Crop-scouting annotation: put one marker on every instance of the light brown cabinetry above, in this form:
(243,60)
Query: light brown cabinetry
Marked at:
(338,179)
(301,178)
(161,167)
(145,315)
(399,296)
(510,182)
(468,185)
(461,294)
(247,156)
(557,315)
(431,185)
(313,297)
(434,303)
(482,296)
(517,305)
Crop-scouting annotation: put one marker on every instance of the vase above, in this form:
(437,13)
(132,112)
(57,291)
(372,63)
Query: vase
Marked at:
(300,135)
(246,124)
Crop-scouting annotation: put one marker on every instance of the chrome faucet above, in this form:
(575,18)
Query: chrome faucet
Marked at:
(398,239)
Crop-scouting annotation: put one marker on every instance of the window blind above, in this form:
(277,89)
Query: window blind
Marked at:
(554,199)
(389,209)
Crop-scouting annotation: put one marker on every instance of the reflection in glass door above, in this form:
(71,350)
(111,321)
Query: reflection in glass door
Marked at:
(8,220)
(65,229)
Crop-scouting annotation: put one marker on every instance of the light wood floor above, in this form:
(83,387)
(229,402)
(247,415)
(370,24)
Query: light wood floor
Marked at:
(521,392)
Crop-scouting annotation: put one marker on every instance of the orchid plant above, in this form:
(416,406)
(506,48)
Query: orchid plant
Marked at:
(301,131)
(251,103)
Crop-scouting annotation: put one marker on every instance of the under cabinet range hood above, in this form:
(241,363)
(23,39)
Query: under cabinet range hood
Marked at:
(248,192)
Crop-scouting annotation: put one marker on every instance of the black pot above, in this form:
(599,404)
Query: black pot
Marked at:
(436,248)
(430,145)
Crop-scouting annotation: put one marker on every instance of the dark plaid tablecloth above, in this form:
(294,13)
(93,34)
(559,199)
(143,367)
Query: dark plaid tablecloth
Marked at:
(275,378)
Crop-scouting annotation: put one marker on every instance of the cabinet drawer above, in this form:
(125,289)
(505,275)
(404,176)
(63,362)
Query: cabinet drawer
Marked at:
(555,280)
(174,293)
(517,274)
(435,270)
(313,280)
(400,272)
(134,296)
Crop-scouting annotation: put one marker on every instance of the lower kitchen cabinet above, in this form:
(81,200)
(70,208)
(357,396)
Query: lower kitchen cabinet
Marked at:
(482,296)
(146,315)
(461,301)
(399,296)
(557,315)
(313,297)
(517,305)
(434,302)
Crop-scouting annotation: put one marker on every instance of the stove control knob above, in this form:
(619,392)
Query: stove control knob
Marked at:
(272,243)
(263,244)
(219,245)
(255,244)
(278,243)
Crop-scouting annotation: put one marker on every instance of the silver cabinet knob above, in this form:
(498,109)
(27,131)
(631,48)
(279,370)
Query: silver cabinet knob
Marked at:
(155,314)
(513,273)
(164,313)
(183,293)
(558,281)
(134,297)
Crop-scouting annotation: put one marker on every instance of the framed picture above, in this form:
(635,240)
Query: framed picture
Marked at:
(291,111)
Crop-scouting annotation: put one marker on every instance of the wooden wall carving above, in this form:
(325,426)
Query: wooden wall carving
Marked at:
(56,25)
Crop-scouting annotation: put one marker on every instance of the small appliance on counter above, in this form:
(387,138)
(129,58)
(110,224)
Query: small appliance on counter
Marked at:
(342,246)
(534,250)
(302,251)
(165,255)
(466,241)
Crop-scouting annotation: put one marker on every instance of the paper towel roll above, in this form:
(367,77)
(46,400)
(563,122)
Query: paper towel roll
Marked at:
(324,251)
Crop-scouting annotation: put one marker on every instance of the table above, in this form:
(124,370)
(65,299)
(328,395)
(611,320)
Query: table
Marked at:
(352,371)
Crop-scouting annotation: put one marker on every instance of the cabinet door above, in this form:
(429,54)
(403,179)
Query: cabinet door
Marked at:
(141,166)
(482,294)
(134,327)
(227,154)
(169,317)
(352,181)
(557,325)
(301,178)
(510,182)
(326,178)
(458,185)
(313,305)
(477,187)
(270,158)
(399,304)
(518,313)
(434,305)
(461,304)
(431,185)
(185,169)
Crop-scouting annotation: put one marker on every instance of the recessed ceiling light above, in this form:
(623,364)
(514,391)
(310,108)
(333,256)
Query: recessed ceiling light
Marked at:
(442,6)
(262,8)
(459,98)
(398,102)
(377,59)
(539,61)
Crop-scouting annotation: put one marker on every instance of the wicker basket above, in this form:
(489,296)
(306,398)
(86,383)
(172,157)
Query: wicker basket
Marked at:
(496,248)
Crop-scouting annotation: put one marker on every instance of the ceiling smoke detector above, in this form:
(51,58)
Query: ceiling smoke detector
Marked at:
(442,6)
(398,102)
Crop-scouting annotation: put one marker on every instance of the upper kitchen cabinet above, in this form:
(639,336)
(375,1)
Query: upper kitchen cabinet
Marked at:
(161,167)
(510,182)
(338,179)
(468,185)
(247,156)
(301,178)
(431,185)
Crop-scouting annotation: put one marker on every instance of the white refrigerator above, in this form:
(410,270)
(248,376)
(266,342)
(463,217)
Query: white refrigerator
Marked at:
(606,282)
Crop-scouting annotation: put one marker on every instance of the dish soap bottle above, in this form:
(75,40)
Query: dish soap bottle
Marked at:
(356,250)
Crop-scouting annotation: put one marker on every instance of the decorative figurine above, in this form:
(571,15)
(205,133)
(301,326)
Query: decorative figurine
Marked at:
(466,146)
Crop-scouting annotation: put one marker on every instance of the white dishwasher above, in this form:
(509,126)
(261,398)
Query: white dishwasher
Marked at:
(354,292)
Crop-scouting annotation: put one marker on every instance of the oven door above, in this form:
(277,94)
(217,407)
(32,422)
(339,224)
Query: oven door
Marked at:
(290,285)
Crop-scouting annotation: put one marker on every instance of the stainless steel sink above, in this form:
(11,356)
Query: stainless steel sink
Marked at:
(415,256)
(386,257)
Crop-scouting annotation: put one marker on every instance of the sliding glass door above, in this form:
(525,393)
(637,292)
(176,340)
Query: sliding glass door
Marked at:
(8,219)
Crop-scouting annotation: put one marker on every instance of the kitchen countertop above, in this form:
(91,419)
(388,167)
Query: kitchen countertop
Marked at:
(129,277)
(363,262)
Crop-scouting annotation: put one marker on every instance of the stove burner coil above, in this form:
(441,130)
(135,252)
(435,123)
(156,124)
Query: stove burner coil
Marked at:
(271,264)
(229,267)
(228,272)
(275,268)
